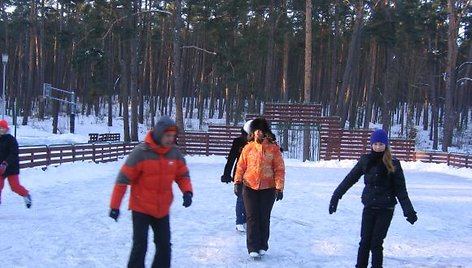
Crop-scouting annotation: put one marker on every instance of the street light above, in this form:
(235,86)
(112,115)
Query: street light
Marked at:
(5,61)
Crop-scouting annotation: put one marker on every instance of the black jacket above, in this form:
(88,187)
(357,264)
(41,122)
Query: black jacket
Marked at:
(9,154)
(381,189)
(234,153)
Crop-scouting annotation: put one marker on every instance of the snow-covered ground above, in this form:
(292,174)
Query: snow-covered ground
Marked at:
(68,225)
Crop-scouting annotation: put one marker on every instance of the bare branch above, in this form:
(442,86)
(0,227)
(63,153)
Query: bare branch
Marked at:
(137,13)
(202,49)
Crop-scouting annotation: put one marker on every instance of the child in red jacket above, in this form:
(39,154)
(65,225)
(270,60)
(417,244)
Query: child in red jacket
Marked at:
(150,170)
(10,164)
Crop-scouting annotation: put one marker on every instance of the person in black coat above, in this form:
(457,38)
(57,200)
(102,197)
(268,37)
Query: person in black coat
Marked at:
(384,184)
(230,168)
(10,164)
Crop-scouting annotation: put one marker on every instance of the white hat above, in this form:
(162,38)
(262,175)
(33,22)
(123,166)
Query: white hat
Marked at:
(247,126)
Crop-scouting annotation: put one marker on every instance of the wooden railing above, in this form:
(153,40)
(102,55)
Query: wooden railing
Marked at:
(209,143)
(45,155)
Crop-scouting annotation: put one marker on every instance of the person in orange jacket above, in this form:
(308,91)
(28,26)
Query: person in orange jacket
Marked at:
(10,164)
(150,170)
(259,177)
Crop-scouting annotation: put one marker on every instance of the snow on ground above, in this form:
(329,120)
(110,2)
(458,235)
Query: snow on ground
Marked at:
(68,225)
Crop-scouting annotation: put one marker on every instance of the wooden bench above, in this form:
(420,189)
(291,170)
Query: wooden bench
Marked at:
(104,137)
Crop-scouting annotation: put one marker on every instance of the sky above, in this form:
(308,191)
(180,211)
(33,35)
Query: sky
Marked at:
(68,224)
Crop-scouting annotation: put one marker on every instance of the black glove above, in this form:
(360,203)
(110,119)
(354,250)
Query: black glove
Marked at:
(3,167)
(187,199)
(279,195)
(226,178)
(333,204)
(238,189)
(411,217)
(114,213)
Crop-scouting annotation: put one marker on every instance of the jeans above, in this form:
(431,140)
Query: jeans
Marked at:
(161,229)
(374,227)
(240,211)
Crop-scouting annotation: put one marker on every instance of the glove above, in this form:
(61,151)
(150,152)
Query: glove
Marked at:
(226,179)
(412,218)
(114,213)
(279,195)
(187,199)
(238,189)
(333,204)
(3,167)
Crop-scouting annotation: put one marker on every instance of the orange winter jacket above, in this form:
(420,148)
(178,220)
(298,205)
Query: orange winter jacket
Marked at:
(150,170)
(261,166)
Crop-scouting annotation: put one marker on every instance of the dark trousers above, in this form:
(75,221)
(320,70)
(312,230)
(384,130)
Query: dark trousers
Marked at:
(258,204)
(161,229)
(240,211)
(375,224)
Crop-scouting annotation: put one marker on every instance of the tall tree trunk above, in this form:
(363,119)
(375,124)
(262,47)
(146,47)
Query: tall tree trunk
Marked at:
(347,86)
(370,87)
(124,90)
(30,82)
(42,59)
(308,51)
(333,85)
(268,83)
(176,67)
(450,113)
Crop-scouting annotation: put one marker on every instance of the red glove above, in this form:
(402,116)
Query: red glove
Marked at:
(3,167)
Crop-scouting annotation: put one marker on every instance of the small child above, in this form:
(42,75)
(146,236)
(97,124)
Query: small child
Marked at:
(10,164)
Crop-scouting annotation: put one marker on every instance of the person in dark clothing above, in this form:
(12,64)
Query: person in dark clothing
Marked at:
(227,177)
(384,184)
(10,164)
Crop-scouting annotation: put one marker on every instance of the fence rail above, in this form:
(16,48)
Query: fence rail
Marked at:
(44,155)
(198,143)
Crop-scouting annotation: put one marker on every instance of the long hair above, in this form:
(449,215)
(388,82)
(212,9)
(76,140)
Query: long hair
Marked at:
(267,135)
(387,160)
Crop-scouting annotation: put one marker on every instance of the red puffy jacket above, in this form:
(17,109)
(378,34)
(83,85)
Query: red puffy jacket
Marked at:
(150,170)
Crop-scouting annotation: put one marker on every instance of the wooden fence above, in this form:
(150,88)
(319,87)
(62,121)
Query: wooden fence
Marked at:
(43,155)
(334,142)
(218,142)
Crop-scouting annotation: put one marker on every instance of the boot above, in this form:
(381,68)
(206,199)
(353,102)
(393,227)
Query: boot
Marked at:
(27,200)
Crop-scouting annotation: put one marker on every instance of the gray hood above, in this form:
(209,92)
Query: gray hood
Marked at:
(164,123)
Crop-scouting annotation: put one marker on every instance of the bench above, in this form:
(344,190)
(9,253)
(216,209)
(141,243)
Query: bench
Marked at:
(104,137)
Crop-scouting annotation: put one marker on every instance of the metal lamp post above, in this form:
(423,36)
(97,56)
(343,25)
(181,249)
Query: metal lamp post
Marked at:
(4,61)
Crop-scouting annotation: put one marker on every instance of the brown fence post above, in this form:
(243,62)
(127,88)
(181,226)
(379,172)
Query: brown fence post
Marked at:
(94,152)
(48,153)
(207,137)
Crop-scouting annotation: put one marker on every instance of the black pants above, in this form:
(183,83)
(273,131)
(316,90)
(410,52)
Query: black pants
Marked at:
(375,224)
(161,229)
(258,205)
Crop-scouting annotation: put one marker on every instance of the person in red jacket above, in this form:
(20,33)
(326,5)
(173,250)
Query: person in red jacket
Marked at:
(150,170)
(10,164)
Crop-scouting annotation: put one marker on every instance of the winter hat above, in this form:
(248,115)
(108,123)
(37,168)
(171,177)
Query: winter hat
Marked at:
(260,124)
(247,127)
(164,124)
(4,124)
(379,135)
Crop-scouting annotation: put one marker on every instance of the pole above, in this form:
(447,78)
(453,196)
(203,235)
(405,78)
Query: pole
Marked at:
(4,61)
(3,92)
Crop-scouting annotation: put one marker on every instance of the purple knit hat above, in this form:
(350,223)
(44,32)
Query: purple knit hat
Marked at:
(379,136)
